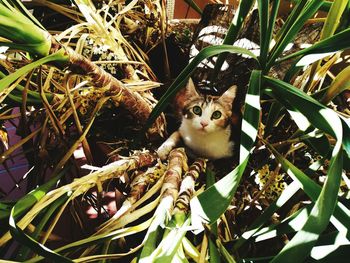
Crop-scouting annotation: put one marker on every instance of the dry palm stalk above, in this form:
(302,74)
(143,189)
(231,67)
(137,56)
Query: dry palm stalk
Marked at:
(83,184)
(177,163)
(131,101)
(138,187)
(176,228)
(187,185)
(142,181)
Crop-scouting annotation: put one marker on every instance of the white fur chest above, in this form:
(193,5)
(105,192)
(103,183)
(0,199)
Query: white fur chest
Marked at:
(211,145)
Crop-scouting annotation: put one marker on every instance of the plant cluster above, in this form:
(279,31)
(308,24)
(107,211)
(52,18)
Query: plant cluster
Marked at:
(291,182)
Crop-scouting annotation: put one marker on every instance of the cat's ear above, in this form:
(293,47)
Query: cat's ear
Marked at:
(191,89)
(184,96)
(229,95)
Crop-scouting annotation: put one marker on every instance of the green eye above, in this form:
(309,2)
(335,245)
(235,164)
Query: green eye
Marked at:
(197,110)
(216,115)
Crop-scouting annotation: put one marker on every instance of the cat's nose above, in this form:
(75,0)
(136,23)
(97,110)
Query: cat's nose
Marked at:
(204,124)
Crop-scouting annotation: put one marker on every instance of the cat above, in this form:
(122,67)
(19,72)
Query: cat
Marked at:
(205,124)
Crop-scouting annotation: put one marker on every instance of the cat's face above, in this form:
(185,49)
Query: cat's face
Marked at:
(206,114)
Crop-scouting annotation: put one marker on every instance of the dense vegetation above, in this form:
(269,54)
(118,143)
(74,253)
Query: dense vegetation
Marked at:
(72,68)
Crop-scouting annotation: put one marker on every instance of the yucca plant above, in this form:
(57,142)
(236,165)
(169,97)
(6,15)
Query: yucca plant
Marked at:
(169,198)
(321,129)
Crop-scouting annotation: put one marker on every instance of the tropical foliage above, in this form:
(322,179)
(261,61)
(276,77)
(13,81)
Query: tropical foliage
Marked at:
(64,86)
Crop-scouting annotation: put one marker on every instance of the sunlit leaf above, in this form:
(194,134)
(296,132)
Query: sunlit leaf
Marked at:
(6,81)
(303,11)
(26,240)
(335,43)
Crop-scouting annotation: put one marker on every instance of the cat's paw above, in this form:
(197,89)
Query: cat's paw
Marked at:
(164,150)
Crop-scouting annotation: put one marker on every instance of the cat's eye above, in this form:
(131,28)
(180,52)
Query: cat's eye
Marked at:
(216,115)
(197,110)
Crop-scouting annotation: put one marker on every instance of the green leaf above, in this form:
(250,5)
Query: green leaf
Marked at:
(35,96)
(266,215)
(338,85)
(263,7)
(346,132)
(267,23)
(328,121)
(334,43)
(331,247)
(21,30)
(170,244)
(20,7)
(272,117)
(320,144)
(312,189)
(290,19)
(213,252)
(213,202)
(333,18)
(24,251)
(5,209)
(35,195)
(290,29)
(314,112)
(224,253)
(26,240)
(97,239)
(291,224)
(8,80)
(326,6)
(302,243)
(194,6)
